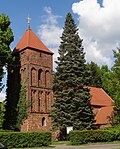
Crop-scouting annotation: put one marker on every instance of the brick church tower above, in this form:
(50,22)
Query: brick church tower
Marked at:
(36,66)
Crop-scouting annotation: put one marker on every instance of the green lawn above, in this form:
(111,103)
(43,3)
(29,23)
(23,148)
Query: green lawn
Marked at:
(60,142)
(68,143)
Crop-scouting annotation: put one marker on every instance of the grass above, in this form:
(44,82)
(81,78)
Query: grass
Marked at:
(60,142)
(114,142)
(68,143)
(54,143)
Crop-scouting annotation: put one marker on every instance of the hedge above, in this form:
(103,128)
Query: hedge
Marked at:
(92,136)
(25,139)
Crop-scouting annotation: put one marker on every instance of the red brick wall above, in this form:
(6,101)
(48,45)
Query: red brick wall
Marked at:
(37,67)
(34,122)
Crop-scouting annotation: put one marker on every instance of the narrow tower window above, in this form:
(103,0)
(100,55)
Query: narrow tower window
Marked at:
(40,77)
(43,121)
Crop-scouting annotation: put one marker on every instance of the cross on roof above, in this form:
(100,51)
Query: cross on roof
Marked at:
(28,22)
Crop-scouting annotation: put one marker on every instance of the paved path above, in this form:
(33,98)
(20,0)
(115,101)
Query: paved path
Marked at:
(96,146)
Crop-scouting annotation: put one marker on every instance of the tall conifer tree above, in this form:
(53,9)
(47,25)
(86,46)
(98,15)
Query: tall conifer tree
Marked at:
(71,98)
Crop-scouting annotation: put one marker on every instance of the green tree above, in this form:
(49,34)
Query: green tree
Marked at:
(22,106)
(2,112)
(111,84)
(116,84)
(71,99)
(95,75)
(107,77)
(12,96)
(17,104)
(6,37)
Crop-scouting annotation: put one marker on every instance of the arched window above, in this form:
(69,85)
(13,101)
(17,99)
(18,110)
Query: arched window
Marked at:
(43,121)
(47,79)
(40,72)
(33,77)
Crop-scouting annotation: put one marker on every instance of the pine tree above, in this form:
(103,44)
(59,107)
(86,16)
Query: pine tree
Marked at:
(71,98)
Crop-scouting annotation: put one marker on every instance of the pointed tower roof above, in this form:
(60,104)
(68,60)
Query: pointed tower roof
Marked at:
(30,40)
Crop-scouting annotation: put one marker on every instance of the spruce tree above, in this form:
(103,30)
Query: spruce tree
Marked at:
(71,98)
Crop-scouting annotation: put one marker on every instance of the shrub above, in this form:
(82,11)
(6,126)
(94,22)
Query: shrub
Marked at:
(25,139)
(87,136)
(113,128)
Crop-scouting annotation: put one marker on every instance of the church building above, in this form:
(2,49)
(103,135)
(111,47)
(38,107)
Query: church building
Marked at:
(36,67)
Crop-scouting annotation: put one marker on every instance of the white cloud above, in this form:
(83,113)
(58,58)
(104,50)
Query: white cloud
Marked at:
(99,28)
(2,96)
(50,32)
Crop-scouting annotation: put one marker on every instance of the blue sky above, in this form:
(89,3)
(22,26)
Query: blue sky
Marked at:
(98,22)
(19,10)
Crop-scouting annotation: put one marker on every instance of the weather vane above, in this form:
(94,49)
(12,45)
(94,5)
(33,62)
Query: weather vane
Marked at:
(28,22)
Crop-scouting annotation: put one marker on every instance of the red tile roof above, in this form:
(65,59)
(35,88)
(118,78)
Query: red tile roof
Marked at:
(100,97)
(102,106)
(30,40)
(104,115)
